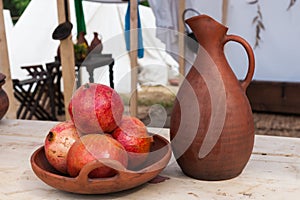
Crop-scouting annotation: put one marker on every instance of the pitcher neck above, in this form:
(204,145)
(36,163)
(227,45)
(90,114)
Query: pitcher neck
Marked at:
(207,30)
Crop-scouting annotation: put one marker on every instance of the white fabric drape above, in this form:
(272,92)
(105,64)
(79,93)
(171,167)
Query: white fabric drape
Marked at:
(167,16)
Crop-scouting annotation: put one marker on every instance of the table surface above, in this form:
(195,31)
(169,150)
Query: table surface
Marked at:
(273,171)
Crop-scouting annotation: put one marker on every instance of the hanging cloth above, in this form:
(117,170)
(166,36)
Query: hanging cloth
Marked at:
(79,17)
(127,32)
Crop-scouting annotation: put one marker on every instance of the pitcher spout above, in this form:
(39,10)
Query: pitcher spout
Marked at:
(207,30)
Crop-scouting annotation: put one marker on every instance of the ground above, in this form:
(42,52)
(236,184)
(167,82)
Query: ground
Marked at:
(155,107)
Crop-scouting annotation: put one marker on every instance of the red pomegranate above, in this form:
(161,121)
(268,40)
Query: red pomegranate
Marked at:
(133,135)
(92,147)
(57,144)
(95,108)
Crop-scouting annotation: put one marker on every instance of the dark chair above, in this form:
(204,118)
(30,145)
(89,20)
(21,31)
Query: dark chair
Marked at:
(56,97)
(33,94)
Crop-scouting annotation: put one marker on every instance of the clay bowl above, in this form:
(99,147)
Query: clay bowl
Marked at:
(123,180)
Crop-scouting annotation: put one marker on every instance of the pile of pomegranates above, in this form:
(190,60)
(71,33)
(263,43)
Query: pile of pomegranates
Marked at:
(98,129)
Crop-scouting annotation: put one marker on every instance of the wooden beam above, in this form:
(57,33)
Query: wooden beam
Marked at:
(5,67)
(181,44)
(225,11)
(133,56)
(67,60)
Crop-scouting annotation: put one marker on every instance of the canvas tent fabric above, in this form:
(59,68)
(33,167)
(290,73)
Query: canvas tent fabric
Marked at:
(31,42)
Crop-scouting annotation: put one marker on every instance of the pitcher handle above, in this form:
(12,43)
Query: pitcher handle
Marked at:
(250,54)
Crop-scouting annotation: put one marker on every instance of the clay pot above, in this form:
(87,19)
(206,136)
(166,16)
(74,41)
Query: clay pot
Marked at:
(81,39)
(96,44)
(4,102)
(212,128)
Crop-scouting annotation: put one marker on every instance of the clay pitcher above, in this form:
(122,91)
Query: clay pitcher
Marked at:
(4,102)
(96,44)
(81,39)
(212,129)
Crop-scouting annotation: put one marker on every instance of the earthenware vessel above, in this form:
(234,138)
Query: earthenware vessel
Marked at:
(212,129)
(96,45)
(4,102)
(81,39)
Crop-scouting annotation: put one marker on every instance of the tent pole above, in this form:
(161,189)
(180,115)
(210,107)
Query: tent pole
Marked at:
(5,67)
(181,44)
(225,11)
(67,60)
(133,57)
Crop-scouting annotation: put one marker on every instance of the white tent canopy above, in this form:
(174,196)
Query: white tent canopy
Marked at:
(31,43)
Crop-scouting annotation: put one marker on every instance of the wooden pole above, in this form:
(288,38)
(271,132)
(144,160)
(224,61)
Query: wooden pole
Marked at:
(133,56)
(67,60)
(225,11)
(181,44)
(5,67)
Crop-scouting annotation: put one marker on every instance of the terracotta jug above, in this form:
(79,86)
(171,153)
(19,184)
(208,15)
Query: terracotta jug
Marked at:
(96,44)
(4,102)
(212,129)
(81,39)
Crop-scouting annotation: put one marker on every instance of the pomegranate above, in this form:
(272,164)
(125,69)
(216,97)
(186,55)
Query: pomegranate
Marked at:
(95,146)
(133,135)
(57,144)
(95,108)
